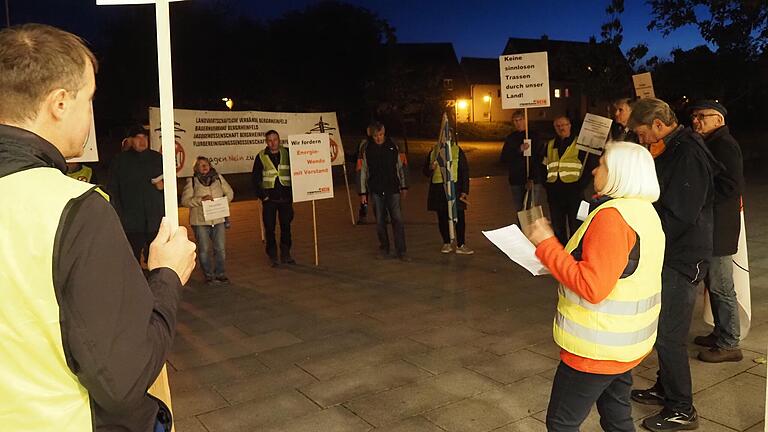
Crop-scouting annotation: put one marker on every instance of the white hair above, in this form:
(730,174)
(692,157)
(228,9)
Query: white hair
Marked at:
(631,172)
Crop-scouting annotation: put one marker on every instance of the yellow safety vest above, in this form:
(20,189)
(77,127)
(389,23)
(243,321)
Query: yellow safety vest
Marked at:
(437,174)
(38,391)
(270,173)
(623,326)
(567,167)
(83,174)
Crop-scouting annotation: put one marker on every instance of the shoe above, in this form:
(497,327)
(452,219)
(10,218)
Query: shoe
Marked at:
(404,258)
(210,280)
(447,248)
(720,355)
(288,260)
(361,222)
(651,396)
(223,279)
(708,341)
(273,262)
(382,255)
(464,250)
(668,420)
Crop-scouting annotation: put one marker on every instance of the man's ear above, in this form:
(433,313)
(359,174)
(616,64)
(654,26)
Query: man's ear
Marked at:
(56,104)
(658,124)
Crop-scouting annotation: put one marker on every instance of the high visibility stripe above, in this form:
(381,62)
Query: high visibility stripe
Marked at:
(568,167)
(602,337)
(270,173)
(614,307)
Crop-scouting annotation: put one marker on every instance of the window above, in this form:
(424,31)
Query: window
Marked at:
(448,83)
(557,93)
(567,92)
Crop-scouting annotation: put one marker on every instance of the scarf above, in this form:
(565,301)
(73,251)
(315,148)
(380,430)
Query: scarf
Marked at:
(207,179)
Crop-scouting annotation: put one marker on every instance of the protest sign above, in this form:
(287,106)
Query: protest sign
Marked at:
(594,133)
(231,139)
(216,208)
(643,85)
(310,167)
(524,80)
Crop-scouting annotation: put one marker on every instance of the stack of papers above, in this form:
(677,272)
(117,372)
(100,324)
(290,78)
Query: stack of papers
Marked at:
(517,247)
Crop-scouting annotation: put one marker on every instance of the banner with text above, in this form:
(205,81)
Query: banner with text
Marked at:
(231,139)
(311,177)
(524,80)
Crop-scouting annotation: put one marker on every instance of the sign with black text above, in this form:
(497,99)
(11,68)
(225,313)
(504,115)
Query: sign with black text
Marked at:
(524,80)
(311,177)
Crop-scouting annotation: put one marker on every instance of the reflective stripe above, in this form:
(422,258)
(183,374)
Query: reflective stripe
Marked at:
(603,337)
(269,173)
(614,307)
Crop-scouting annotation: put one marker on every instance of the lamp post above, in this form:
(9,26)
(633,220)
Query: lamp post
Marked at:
(228,102)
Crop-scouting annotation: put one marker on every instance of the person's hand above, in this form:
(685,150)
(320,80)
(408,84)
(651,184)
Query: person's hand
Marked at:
(159,185)
(172,250)
(524,146)
(463,196)
(403,194)
(434,165)
(207,198)
(364,199)
(529,185)
(539,231)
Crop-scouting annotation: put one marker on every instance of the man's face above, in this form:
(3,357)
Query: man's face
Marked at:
(706,121)
(273,142)
(139,142)
(621,113)
(518,123)
(378,136)
(652,134)
(563,127)
(77,117)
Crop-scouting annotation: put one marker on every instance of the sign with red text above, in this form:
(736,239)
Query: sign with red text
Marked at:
(311,177)
(524,80)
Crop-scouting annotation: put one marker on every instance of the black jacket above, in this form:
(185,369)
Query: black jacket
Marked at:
(436,200)
(622,133)
(116,327)
(279,193)
(727,207)
(686,179)
(138,202)
(513,158)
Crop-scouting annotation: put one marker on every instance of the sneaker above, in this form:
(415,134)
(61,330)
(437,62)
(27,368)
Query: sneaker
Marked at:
(404,258)
(273,262)
(668,420)
(447,248)
(708,341)
(464,250)
(288,260)
(210,280)
(651,396)
(720,355)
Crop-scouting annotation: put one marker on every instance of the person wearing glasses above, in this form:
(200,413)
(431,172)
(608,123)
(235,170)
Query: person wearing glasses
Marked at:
(709,121)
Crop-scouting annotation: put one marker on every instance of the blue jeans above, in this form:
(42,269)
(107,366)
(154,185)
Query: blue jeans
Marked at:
(389,204)
(208,236)
(725,307)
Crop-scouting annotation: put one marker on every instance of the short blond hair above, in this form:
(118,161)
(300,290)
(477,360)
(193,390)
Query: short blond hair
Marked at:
(36,59)
(631,172)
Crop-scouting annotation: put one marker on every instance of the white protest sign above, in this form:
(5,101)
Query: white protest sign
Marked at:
(90,149)
(524,80)
(231,139)
(216,208)
(310,167)
(127,2)
(594,133)
(643,85)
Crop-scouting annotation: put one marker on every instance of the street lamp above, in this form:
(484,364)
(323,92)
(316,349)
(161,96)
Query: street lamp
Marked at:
(228,102)
(487,98)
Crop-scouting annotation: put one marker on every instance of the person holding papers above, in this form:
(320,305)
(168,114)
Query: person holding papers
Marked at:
(206,185)
(609,292)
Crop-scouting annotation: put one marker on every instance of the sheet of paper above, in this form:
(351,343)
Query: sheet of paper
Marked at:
(527,151)
(594,133)
(517,247)
(583,211)
(216,209)
(527,217)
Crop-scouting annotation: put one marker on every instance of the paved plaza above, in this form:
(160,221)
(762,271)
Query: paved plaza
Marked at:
(442,343)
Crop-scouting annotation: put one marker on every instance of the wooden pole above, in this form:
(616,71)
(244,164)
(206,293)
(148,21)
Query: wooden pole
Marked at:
(349,197)
(527,168)
(314,229)
(260,211)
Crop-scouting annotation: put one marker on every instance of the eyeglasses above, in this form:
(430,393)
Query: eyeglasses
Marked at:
(701,117)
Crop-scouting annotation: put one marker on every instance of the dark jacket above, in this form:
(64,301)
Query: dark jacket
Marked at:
(436,200)
(381,168)
(727,206)
(138,202)
(116,326)
(622,133)
(513,158)
(279,193)
(686,179)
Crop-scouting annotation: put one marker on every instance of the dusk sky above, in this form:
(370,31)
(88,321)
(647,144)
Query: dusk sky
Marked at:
(476,28)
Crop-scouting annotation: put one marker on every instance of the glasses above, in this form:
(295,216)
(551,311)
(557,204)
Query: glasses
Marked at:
(701,117)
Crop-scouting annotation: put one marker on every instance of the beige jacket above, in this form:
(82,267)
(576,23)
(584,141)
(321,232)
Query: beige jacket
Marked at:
(193,194)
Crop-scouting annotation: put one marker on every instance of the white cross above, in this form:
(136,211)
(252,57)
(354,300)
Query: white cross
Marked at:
(162,18)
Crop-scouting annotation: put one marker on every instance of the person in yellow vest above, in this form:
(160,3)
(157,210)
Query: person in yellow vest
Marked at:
(437,201)
(81,172)
(271,177)
(85,334)
(567,178)
(609,293)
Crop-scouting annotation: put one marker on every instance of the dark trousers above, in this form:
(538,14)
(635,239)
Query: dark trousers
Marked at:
(389,204)
(274,211)
(678,296)
(574,392)
(563,209)
(442,223)
(140,242)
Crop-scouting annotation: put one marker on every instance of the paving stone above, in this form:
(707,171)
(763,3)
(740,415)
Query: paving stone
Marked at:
(760,427)
(412,424)
(257,415)
(514,367)
(217,373)
(191,424)
(447,336)
(326,367)
(410,400)
(346,387)
(495,408)
(264,385)
(187,340)
(758,370)
(744,407)
(449,358)
(207,355)
(528,424)
(197,401)
(336,419)
(306,351)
